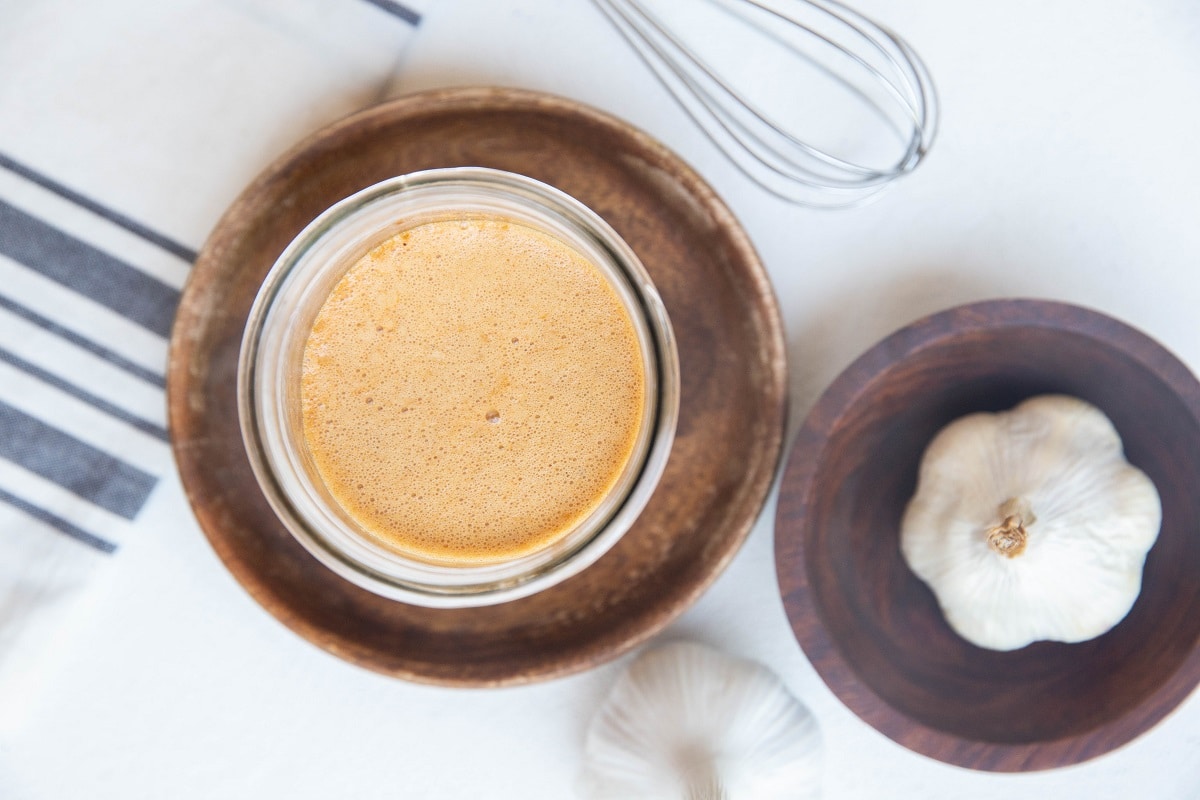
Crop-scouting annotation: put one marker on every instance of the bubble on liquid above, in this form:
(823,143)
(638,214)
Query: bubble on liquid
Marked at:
(493,417)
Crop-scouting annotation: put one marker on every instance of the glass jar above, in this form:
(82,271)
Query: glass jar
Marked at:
(269,382)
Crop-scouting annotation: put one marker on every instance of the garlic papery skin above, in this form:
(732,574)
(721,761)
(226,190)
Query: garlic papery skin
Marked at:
(1030,525)
(687,722)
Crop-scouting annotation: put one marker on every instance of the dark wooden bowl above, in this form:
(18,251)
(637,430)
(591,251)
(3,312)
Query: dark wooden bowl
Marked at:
(874,631)
(732,399)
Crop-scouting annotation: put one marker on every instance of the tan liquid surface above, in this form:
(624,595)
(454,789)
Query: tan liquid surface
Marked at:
(471,390)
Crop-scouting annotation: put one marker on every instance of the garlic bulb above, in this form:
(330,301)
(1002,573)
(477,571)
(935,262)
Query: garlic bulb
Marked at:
(1030,525)
(690,723)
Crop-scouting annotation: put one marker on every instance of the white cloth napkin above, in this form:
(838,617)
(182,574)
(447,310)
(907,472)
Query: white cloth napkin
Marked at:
(126,128)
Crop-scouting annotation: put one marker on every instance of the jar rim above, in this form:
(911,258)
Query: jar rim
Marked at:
(299,282)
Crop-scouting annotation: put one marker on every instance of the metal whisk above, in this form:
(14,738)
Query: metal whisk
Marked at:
(875,72)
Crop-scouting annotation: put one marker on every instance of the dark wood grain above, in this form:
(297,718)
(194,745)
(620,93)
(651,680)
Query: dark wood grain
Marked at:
(732,405)
(874,631)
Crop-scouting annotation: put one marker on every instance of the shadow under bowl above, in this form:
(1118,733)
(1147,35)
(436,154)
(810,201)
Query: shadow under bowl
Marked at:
(874,631)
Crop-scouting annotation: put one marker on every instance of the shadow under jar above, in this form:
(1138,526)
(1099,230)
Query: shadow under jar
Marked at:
(272,404)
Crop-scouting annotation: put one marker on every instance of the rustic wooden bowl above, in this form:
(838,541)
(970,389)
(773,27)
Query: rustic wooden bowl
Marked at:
(874,631)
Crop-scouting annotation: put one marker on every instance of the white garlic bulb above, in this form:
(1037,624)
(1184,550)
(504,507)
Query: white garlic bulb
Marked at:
(690,723)
(1030,524)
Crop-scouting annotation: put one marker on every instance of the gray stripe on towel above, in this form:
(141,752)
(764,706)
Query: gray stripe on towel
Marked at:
(119,361)
(91,272)
(74,465)
(398,10)
(145,426)
(57,522)
(115,217)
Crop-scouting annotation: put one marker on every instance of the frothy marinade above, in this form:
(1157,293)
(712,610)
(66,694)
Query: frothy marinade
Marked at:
(471,390)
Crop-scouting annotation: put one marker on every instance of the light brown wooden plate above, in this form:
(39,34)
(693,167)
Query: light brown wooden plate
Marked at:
(733,401)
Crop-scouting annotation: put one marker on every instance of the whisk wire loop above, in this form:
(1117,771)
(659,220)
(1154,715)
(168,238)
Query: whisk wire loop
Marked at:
(872,59)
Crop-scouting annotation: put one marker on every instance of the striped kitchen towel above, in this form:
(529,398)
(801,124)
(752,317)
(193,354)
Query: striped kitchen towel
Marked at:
(126,128)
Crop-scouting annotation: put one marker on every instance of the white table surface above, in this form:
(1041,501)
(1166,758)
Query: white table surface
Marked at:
(1067,167)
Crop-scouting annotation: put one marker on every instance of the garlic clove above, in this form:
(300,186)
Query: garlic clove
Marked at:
(687,722)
